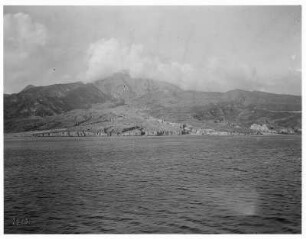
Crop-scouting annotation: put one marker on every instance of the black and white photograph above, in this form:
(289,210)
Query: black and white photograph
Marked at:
(152,119)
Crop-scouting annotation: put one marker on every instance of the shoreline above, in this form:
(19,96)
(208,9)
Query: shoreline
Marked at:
(30,135)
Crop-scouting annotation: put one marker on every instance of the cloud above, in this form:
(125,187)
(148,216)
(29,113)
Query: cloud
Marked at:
(24,44)
(223,74)
(22,36)
(108,56)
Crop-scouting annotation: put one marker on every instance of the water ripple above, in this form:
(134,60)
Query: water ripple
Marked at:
(153,185)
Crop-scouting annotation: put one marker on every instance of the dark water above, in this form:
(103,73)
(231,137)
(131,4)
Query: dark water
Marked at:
(153,185)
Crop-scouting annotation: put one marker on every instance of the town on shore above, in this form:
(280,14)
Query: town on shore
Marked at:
(174,129)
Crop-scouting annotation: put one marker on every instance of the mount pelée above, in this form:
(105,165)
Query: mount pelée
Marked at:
(120,105)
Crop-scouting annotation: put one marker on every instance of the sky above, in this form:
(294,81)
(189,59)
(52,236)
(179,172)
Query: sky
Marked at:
(204,48)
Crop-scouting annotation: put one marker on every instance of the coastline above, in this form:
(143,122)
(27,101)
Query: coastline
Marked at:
(218,134)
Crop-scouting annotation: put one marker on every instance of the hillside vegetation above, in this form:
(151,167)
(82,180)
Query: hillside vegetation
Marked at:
(121,105)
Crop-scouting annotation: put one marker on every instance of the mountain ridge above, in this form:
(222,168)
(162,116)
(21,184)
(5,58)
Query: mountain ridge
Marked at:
(123,102)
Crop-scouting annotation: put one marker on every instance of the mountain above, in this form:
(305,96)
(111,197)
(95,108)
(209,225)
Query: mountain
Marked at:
(123,104)
(265,100)
(122,86)
(50,100)
(28,87)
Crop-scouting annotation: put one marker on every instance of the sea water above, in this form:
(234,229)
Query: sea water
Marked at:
(187,184)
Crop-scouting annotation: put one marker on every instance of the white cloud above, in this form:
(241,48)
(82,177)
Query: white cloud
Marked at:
(24,45)
(108,56)
(223,74)
(22,35)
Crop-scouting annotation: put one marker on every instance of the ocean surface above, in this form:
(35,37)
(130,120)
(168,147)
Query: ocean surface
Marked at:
(187,184)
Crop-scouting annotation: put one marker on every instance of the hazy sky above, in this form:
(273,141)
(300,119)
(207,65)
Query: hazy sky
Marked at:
(196,47)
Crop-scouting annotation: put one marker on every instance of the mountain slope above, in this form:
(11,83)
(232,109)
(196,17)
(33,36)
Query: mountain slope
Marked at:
(121,102)
(50,100)
(264,100)
(122,86)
